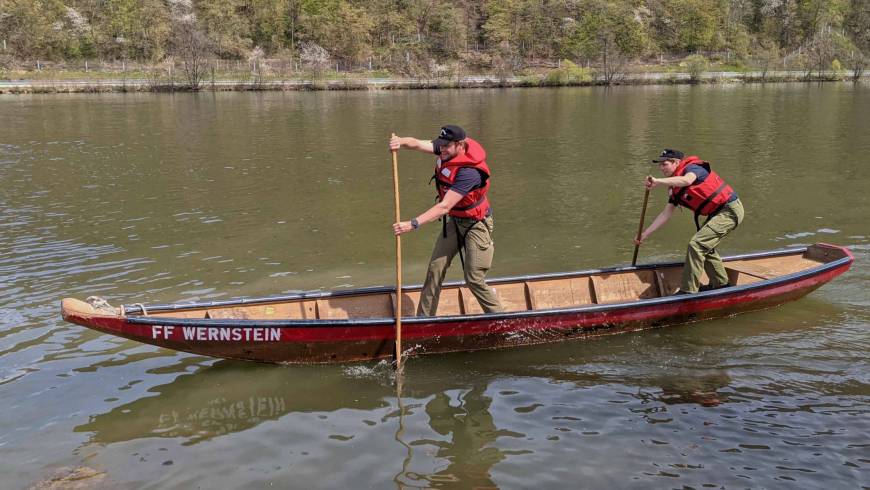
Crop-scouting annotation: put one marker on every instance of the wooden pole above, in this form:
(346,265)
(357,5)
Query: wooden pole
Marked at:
(640,227)
(398,261)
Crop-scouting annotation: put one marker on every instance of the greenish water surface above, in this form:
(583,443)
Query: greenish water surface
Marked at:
(164,198)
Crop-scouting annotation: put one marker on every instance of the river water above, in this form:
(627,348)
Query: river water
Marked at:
(164,198)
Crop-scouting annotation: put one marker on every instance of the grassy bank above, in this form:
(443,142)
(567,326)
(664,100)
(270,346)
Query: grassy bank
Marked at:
(64,81)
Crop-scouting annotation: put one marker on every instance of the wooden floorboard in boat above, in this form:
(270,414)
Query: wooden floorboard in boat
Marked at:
(560,293)
(774,266)
(228,313)
(513,296)
(365,306)
(669,279)
(449,303)
(180,314)
(410,301)
(625,286)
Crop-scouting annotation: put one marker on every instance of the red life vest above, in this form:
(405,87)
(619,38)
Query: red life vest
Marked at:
(706,198)
(474,204)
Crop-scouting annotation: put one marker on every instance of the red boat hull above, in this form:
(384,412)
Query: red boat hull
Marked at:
(351,340)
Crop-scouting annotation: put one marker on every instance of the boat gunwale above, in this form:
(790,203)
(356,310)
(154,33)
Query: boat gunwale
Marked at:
(593,308)
(169,307)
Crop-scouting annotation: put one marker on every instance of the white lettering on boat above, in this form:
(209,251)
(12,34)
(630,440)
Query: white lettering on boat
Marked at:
(215,334)
(162,331)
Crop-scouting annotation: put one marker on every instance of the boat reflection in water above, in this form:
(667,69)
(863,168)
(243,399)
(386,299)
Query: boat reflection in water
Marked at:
(447,421)
(225,398)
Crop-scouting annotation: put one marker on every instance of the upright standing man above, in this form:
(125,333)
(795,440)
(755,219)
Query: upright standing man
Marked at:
(692,184)
(462,180)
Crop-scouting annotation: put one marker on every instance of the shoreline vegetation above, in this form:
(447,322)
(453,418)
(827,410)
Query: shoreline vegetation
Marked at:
(62,81)
(190,45)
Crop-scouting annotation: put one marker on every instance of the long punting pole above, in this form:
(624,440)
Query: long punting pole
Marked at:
(639,227)
(398,262)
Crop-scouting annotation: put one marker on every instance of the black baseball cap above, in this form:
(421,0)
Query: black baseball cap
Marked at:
(449,133)
(668,154)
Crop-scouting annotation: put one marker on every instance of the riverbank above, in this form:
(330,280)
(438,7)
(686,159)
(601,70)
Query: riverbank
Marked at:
(98,85)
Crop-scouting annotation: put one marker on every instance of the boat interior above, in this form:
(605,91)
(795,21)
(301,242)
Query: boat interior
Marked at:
(524,294)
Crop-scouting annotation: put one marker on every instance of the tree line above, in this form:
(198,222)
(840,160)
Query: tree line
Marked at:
(433,37)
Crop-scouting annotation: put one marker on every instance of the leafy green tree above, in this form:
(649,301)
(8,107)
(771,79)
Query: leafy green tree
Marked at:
(349,31)
(293,10)
(508,29)
(33,28)
(270,23)
(736,39)
(440,30)
(316,19)
(695,23)
(228,30)
(780,22)
(503,25)
(611,33)
(137,29)
(816,15)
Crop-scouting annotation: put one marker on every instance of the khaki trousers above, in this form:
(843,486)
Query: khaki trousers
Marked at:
(477,253)
(701,254)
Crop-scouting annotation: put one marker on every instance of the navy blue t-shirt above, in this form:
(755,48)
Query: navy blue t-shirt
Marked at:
(701,173)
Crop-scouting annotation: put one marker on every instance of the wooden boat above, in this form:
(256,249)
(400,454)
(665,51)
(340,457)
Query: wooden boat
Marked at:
(354,325)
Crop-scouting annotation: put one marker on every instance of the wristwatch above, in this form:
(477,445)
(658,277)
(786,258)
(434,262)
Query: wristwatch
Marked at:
(414,223)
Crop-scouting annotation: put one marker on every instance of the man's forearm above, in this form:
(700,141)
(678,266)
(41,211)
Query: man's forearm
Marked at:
(415,144)
(433,213)
(660,220)
(681,181)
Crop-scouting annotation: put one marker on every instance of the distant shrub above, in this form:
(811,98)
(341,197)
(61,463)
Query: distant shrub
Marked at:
(696,64)
(568,74)
(529,80)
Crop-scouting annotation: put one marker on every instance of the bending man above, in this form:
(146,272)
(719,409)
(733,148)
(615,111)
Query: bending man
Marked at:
(692,184)
(462,181)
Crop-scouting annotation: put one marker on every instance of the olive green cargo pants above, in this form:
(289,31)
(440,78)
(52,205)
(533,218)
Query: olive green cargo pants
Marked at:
(477,254)
(701,254)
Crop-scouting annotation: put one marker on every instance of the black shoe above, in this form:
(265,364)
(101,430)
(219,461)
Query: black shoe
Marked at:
(707,287)
(680,292)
